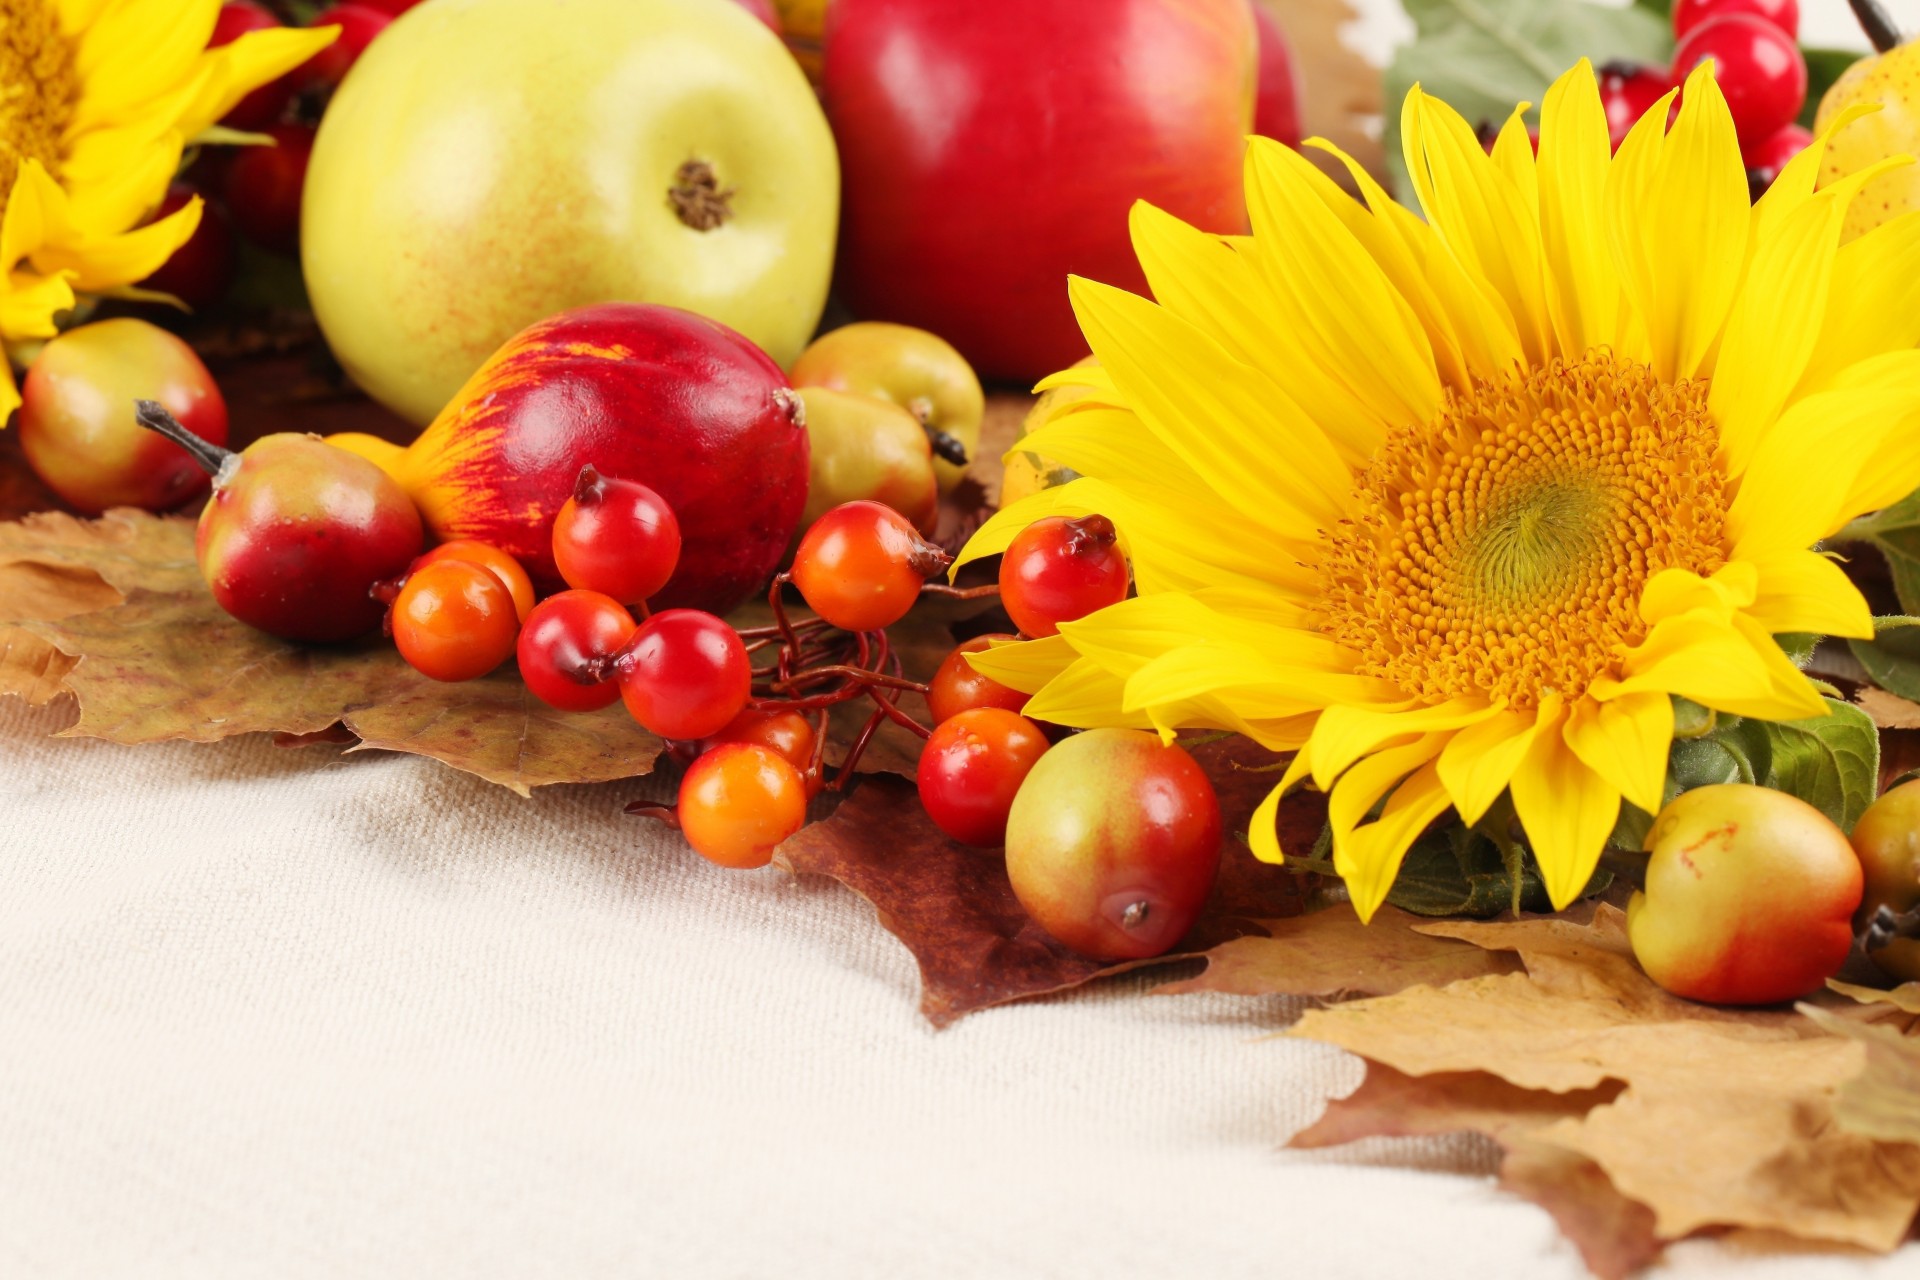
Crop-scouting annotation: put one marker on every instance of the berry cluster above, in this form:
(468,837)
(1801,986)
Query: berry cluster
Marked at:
(1757,63)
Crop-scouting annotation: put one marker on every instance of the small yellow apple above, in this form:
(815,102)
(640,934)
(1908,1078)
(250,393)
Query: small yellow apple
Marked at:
(867,448)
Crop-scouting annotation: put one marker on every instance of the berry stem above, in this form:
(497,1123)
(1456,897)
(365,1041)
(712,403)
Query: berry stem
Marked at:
(658,812)
(590,487)
(1876,22)
(211,458)
(946,592)
(898,716)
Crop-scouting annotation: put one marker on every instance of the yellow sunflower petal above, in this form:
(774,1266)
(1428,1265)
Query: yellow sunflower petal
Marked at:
(1330,291)
(1583,285)
(1481,213)
(1478,762)
(1080,375)
(1718,663)
(1347,732)
(124,259)
(1870,309)
(1027,665)
(9,394)
(1567,810)
(1807,591)
(29,302)
(138,50)
(1678,210)
(249,62)
(1625,741)
(1374,852)
(1086,696)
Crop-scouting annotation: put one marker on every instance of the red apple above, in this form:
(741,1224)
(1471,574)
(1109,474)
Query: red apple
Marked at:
(393,8)
(672,400)
(268,103)
(989,151)
(76,416)
(200,271)
(1276,104)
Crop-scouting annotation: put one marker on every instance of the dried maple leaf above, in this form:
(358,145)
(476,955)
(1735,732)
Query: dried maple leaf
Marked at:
(954,908)
(1889,710)
(1330,954)
(1881,1100)
(1725,1119)
(1905,997)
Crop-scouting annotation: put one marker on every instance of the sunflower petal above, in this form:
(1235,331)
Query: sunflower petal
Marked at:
(1625,741)
(1806,591)
(1567,810)
(1374,852)
(1583,285)
(1870,307)
(1478,762)
(1347,732)
(29,302)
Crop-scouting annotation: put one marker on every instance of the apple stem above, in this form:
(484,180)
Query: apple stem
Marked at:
(698,198)
(215,461)
(1876,22)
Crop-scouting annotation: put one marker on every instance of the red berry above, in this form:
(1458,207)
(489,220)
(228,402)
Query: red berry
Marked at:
(783,731)
(1688,14)
(616,537)
(567,648)
(1758,67)
(454,620)
(200,271)
(738,802)
(392,8)
(1765,161)
(266,104)
(262,187)
(862,564)
(957,687)
(503,566)
(686,674)
(1628,91)
(359,24)
(971,769)
(1057,570)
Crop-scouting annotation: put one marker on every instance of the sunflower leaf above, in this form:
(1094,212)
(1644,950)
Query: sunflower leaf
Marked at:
(1832,762)
(1895,531)
(1485,56)
(1892,657)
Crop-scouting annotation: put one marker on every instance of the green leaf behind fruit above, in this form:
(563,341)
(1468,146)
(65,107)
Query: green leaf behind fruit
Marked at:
(1485,56)
(1832,762)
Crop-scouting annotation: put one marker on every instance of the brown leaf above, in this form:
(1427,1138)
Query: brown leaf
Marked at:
(46,560)
(1905,997)
(1615,1235)
(1882,1099)
(174,666)
(1726,1118)
(1330,954)
(1889,710)
(954,908)
(31,668)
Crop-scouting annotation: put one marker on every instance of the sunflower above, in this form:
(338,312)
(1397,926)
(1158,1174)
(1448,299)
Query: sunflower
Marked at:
(98,98)
(1455,509)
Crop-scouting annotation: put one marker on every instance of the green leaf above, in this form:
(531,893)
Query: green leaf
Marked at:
(1662,9)
(1895,530)
(1824,66)
(1832,762)
(1486,56)
(1892,657)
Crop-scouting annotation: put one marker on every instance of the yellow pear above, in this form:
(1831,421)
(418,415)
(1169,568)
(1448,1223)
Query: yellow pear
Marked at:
(1890,78)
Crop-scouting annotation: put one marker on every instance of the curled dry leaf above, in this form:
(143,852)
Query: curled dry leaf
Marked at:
(1905,997)
(1722,1118)
(1882,1100)
(954,908)
(1330,954)
(1889,710)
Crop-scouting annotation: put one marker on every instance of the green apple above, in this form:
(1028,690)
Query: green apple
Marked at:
(489,163)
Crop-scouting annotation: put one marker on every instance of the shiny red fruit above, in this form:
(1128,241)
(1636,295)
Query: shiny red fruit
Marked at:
(393,8)
(617,537)
(77,425)
(1688,14)
(1276,103)
(738,802)
(265,105)
(1758,68)
(567,647)
(1627,92)
(454,620)
(503,566)
(785,732)
(262,187)
(971,769)
(359,25)
(989,151)
(1057,570)
(957,687)
(200,271)
(685,675)
(862,564)
(1114,842)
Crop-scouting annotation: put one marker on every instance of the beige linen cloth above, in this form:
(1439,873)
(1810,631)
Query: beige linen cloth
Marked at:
(272,1013)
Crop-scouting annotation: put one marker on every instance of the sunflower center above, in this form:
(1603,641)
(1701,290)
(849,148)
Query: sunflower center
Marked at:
(38,88)
(1501,549)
